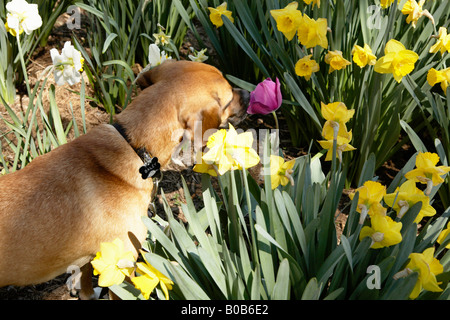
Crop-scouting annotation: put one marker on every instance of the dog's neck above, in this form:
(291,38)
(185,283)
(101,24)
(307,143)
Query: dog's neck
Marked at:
(151,165)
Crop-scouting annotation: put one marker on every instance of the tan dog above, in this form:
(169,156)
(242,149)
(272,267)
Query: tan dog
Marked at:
(55,212)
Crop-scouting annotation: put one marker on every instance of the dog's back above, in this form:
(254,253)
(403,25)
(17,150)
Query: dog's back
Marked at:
(53,211)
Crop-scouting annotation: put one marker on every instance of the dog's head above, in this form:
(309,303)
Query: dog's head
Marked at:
(181,105)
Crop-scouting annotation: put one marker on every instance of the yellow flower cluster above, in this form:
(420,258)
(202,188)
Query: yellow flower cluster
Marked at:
(412,9)
(311,33)
(384,231)
(335,129)
(113,265)
(442,45)
(228,150)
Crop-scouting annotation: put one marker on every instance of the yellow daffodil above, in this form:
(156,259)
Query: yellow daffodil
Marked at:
(336,115)
(314,2)
(217,13)
(443,77)
(280,171)
(336,111)
(444,234)
(414,11)
(305,67)
(312,32)
(386,3)
(230,150)
(204,167)
(405,197)
(336,61)
(112,263)
(370,195)
(443,42)
(428,267)
(342,137)
(383,231)
(363,56)
(288,19)
(426,171)
(149,278)
(397,60)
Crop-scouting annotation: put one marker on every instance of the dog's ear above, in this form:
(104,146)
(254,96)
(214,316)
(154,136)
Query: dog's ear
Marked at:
(210,118)
(195,125)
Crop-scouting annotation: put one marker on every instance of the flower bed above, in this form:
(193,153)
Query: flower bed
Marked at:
(352,81)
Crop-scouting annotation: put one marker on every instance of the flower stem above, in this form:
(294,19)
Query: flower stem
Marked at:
(22,62)
(276,120)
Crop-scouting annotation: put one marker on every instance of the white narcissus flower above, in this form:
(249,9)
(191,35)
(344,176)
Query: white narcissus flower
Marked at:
(22,16)
(68,65)
(155,56)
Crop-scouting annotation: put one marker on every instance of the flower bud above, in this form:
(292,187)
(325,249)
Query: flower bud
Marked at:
(266,97)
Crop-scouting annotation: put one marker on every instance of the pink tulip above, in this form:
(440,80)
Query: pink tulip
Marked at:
(266,97)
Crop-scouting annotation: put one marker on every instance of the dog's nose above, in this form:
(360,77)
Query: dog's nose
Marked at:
(245,97)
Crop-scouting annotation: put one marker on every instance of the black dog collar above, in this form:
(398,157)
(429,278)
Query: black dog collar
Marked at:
(151,167)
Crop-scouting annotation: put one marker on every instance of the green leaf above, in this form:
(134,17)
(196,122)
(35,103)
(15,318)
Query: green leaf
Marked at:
(126,291)
(189,288)
(335,294)
(237,36)
(265,252)
(368,170)
(348,250)
(296,223)
(56,117)
(281,290)
(216,270)
(300,97)
(401,288)
(108,40)
(415,140)
(312,290)
(241,83)
(326,269)
(123,64)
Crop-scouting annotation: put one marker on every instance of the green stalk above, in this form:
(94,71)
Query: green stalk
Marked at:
(22,62)
(252,223)
(276,120)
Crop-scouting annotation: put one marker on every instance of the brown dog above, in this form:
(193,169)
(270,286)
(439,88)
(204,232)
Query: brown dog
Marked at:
(56,211)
